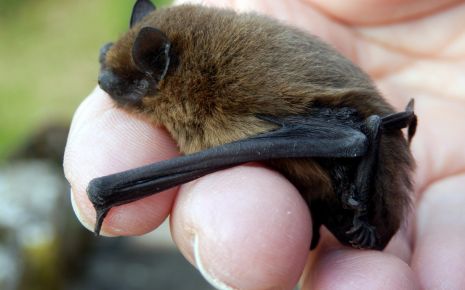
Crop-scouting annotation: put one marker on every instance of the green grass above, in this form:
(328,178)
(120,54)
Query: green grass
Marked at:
(48,59)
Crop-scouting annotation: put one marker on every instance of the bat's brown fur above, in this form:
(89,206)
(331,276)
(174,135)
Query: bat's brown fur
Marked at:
(229,67)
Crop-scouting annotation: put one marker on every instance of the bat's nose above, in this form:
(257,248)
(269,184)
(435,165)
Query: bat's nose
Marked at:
(107,80)
(103,52)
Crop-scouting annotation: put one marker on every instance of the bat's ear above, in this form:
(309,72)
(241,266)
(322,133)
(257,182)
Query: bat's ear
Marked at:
(140,10)
(151,52)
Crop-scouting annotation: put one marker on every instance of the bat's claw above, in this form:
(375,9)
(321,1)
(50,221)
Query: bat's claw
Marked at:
(363,235)
(101,214)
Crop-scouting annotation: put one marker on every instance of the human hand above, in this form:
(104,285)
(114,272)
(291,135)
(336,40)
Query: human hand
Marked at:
(412,49)
(226,222)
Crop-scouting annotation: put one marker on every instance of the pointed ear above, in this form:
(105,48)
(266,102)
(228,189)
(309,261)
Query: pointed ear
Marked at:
(140,10)
(150,52)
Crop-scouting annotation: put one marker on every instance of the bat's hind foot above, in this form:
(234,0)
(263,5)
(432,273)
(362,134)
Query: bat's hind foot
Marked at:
(362,234)
(355,185)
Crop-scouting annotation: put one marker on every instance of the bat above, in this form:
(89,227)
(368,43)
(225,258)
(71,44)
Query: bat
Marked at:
(233,88)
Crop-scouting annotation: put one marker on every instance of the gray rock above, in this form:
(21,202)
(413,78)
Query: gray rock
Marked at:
(33,206)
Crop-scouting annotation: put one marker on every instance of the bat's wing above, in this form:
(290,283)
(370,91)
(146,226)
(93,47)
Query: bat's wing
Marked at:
(324,133)
(295,137)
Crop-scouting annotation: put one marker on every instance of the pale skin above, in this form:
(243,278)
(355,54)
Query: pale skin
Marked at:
(248,227)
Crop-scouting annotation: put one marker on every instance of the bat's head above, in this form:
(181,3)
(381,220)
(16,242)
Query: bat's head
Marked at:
(133,67)
(193,70)
(205,73)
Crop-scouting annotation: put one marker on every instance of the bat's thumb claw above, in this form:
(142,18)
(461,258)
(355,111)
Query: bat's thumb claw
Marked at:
(101,214)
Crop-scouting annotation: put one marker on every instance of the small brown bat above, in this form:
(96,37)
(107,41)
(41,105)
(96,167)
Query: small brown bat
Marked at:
(233,88)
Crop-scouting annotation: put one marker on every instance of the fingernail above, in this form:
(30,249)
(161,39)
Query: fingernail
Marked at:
(78,213)
(214,281)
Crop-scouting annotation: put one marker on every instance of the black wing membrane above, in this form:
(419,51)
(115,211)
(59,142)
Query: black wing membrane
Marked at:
(295,137)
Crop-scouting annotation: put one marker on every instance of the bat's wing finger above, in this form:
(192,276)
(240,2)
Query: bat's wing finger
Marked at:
(306,137)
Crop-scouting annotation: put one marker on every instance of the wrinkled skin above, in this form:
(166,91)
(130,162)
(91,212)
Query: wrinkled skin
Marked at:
(249,215)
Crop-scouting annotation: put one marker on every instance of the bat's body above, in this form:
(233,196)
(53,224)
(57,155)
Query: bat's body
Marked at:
(214,77)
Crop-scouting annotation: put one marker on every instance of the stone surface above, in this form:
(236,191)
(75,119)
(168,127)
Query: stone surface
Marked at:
(33,215)
(42,245)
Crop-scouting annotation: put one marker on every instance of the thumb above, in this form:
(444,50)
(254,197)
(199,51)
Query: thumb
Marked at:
(248,215)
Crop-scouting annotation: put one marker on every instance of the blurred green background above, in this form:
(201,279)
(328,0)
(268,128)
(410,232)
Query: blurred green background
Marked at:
(48,59)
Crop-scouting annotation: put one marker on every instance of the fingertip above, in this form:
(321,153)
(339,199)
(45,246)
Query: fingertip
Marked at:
(84,218)
(439,250)
(138,217)
(346,268)
(247,215)
(106,140)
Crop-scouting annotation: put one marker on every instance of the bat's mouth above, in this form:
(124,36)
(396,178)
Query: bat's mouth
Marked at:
(107,81)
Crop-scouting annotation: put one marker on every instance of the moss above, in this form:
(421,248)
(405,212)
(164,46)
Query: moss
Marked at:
(41,267)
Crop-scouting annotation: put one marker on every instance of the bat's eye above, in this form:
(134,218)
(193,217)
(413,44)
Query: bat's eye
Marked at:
(143,85)
(103,52)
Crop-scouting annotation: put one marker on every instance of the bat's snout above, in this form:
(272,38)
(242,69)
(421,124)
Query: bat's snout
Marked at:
(123,91)
(107,80)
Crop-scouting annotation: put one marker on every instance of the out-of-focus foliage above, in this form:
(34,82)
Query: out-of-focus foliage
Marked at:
(48,59)
(9,7)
